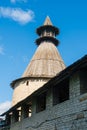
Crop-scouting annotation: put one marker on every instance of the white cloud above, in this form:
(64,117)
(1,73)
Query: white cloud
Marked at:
(4,106)
(1,51)
(14,1)
(17,14)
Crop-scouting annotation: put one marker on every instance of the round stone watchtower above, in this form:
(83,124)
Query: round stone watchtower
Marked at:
(44,65)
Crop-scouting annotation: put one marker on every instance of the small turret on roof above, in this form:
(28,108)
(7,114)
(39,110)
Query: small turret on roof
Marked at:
(47,32)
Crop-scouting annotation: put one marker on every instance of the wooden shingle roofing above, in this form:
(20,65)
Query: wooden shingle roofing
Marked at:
(46,62)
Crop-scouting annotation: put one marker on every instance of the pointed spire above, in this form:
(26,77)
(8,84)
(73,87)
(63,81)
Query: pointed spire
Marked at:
(47,21)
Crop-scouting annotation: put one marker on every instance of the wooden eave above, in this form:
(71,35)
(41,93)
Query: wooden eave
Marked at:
(47,38)
(47,27)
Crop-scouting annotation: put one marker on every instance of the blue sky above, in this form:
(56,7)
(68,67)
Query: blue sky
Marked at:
(18,22)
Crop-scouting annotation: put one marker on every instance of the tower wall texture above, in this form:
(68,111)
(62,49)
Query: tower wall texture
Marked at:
(25,88)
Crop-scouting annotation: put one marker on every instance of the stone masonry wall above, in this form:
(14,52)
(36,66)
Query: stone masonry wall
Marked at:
(68,115)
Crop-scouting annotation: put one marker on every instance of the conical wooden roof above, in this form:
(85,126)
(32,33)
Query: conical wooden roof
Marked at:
(46,62)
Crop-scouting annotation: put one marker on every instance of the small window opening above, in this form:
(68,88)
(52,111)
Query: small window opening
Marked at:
(27,110)
(41,102)
(48,34)
(8,119)
(61,92)
(27,83)
(16,115)
(83,81)
(42,34)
